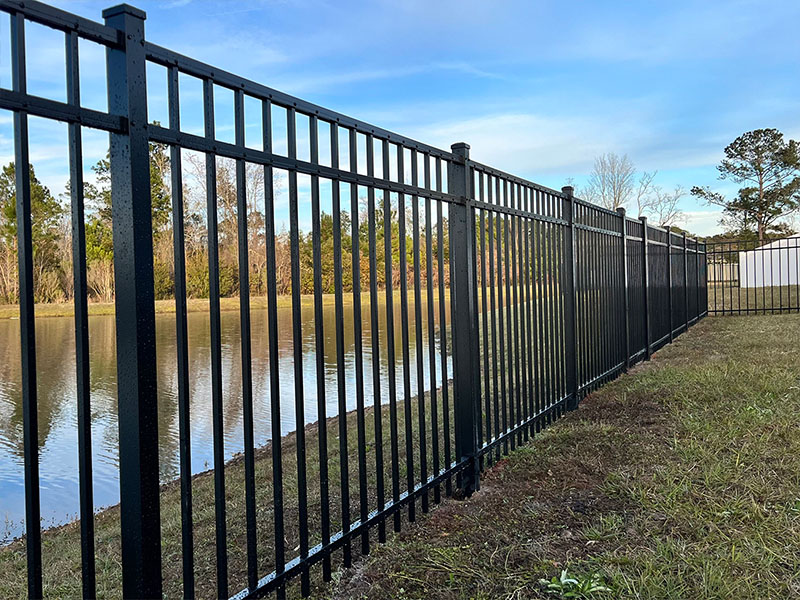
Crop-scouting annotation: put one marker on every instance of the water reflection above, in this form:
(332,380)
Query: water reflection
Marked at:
(58,439)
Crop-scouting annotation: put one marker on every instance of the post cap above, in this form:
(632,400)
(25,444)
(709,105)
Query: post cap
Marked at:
(643,219)
(126,9)
(568,190)
(460,151)
(621,211)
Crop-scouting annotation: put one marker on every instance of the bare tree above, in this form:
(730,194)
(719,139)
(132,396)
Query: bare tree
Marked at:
(644,196)
(611,183)
(100,279)
(663,206)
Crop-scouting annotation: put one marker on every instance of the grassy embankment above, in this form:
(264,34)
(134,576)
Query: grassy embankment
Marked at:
(679,480)
(729,297)
(66,309)
(61,546)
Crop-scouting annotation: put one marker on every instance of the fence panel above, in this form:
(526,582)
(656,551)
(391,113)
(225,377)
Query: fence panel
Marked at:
(598,293)
(664,291)
(637,293)
(424,314)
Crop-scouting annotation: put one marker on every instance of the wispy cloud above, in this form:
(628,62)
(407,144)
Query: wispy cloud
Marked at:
(702,222)
(320,82)
(176,3)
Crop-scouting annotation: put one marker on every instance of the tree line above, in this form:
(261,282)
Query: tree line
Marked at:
(52,237)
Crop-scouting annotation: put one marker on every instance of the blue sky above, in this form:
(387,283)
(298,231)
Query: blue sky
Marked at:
(536,88)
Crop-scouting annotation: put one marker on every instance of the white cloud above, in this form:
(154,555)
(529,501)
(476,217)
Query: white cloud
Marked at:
(315,82)
(524,143)
(703,222)
(531,144)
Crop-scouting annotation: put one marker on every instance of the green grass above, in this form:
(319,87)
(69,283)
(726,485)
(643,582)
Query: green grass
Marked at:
(678,480)
(61,546)
(731,298)
(66,309)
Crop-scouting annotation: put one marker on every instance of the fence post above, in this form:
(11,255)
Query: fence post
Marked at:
(135,311)
(686,279)
(669,281)
(570,316)
(704,293)
(466,362)
(646,281)
(625,301)
(697,278)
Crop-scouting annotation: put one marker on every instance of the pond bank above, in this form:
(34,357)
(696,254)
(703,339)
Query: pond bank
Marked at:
(61,545)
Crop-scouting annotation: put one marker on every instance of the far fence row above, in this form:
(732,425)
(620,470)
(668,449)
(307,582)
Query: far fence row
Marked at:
(751,277)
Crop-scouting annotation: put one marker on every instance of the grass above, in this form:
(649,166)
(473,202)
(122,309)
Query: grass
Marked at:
(731,298)
(66,309)
(678,480)
(61,546)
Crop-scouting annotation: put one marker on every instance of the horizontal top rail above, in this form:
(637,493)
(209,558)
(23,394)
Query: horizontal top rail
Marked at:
(196,68)
(597,207)
(44,14)
(676,236)
(754,244)
(665,231)
(513,178)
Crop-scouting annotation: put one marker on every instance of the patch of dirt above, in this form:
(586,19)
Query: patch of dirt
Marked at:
(533,508)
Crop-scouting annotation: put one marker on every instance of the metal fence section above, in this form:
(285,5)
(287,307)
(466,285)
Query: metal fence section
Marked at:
(748,277)
(502,303)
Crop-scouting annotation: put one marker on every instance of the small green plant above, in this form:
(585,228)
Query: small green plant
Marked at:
(567,586)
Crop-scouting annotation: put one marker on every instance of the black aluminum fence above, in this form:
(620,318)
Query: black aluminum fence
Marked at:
(514,301)
(748,277)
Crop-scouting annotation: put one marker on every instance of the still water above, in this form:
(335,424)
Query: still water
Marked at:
(58,437)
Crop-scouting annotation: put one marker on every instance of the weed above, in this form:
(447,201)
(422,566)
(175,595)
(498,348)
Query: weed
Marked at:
(574,587)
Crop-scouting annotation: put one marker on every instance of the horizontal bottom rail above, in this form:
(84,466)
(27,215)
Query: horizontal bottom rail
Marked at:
(276,579)
(762,311)
(490,445)
(618,368)
(660,342)
(680,329)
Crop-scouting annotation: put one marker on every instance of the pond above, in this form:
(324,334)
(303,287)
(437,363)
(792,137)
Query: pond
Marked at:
(58,436)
